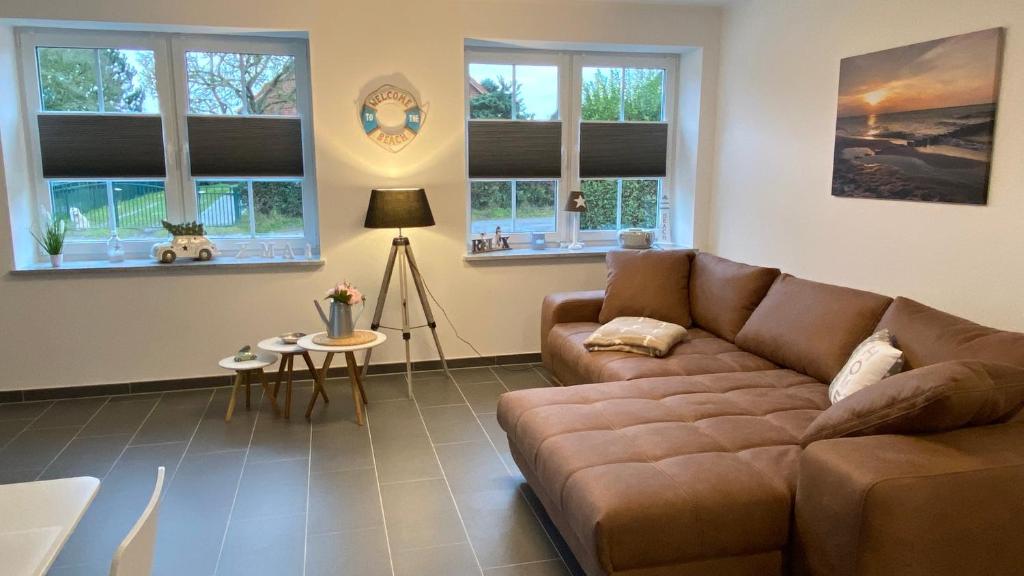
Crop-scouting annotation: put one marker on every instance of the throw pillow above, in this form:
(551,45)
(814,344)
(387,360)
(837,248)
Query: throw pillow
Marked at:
(636,334)
(873,360)
(649,283)
(936,398)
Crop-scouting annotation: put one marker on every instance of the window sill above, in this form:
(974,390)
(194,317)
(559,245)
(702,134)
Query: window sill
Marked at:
(217,265)
(516,254)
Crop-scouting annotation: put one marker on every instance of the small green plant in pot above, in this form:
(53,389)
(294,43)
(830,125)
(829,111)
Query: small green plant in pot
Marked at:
(52,238)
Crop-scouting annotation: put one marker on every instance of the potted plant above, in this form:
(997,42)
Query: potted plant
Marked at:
(52,238)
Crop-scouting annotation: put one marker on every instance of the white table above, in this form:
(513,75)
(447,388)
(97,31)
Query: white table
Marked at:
(37,518)
(244,372)
(286,367)
(358,394)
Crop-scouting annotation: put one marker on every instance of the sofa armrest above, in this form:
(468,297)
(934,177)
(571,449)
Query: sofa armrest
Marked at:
(935,505)
(564,307)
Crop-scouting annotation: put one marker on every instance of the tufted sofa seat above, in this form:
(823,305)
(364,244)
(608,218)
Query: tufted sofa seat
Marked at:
(655,475)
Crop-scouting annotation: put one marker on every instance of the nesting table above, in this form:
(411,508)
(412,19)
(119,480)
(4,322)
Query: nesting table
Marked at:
(320,377)
(286,369)
(244,372)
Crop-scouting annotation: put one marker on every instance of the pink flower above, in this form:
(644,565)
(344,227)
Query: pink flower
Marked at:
(346,293)
(355,296)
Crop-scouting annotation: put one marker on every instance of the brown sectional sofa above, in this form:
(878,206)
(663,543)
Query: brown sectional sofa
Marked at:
(693,463)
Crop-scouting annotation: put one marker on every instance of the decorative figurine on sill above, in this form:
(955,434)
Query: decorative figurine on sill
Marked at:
(188,240)
(241,250)
(244,354)
(309,251)
(492,244)
(289,253)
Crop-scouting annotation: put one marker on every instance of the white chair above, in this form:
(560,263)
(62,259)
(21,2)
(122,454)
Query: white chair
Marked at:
(134,557)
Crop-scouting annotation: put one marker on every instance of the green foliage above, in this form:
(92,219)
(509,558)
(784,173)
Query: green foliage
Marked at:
(68,80)
(602,197)
(496,102)
(642,101)
(602,96)
(52,238)
(639,204)
(185,228)
(490,200)
(226,83)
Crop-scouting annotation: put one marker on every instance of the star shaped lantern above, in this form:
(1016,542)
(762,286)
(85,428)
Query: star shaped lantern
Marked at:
(576,202)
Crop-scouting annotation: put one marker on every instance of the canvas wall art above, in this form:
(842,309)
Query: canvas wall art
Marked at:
(916,122)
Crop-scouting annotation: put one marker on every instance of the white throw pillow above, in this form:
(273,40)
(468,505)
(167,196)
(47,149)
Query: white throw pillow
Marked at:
(870,362)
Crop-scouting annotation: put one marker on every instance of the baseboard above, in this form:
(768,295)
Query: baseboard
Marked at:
(65,392)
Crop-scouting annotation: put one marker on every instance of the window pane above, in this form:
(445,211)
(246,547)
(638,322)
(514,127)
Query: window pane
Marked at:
(67,79)
(223,207)
(278,207)
(129,81)
(640,203)
(602,94)
(83,207)
(490,89)
(602,204)
(535,206)
(536,92)
(234,84)
(139,207)
(490,206)
(644,89)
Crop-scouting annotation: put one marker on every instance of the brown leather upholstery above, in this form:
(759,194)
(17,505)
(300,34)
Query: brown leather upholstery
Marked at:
(567,307)
(936,398)
(723,293)
(939,505)
(651,283)
(811,327)
(700,353)
(926,336)
(668,470)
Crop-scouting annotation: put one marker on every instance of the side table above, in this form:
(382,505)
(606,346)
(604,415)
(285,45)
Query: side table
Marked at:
(319,379)
(244,372)
(288,353)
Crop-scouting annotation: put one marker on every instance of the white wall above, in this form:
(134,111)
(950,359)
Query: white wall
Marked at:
(65,331)
(777,109)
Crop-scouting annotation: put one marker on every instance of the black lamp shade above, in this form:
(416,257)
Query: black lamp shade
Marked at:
(398,208)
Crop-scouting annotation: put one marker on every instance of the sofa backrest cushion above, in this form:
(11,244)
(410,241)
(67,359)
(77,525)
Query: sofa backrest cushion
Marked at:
(723,293)
(937,398)
(650,283)
(811,327)
(927,336)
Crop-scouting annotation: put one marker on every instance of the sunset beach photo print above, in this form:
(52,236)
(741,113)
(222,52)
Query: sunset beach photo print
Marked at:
(917,122)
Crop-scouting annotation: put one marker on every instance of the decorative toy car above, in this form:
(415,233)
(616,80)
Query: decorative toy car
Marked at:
(188,241)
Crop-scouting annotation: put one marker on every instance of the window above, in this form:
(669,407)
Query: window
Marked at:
(540,124)
(130,129)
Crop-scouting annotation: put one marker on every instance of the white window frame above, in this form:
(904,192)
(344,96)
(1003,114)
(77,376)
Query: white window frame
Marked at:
(570,99)
(172,93)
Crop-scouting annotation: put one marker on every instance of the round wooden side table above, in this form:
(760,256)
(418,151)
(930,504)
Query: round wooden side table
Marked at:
(319,379)
(244,371)
(286,369)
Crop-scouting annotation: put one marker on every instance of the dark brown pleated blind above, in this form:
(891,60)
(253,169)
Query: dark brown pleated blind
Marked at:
(101,146)
(623,150)
(511,149)
(245,146)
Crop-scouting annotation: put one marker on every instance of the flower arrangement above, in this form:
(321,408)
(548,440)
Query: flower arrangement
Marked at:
(345,293)
(52,238)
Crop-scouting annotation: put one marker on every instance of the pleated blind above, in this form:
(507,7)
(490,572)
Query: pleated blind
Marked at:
(245,146)
(515,149)
(623,149)
(101,146)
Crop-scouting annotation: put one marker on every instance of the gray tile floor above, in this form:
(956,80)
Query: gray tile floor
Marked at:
(426,488)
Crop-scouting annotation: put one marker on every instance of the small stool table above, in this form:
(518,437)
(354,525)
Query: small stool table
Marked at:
(319,379)
(288,353)
(243,375)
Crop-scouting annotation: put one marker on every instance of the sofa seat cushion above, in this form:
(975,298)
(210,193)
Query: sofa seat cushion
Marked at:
(668,470)
(701,353)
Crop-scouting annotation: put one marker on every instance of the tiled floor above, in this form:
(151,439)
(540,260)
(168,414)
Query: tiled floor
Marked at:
(426,488)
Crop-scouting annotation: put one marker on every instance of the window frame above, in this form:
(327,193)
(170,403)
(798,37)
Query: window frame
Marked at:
(172,93)
(570,100)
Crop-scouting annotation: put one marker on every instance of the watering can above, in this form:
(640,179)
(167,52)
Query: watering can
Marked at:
(340,323)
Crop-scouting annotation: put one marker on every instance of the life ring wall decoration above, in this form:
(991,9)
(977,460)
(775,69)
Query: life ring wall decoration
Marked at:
(392,117)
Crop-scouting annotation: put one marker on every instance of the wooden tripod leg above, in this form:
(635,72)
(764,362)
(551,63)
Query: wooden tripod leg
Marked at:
(353,376)
(267,392)
(234,393)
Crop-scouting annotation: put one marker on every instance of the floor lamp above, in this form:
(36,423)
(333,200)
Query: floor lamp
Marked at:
(402,208)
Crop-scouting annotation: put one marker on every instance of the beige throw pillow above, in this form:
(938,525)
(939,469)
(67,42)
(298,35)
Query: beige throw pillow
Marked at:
(874,359)
(636,334)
